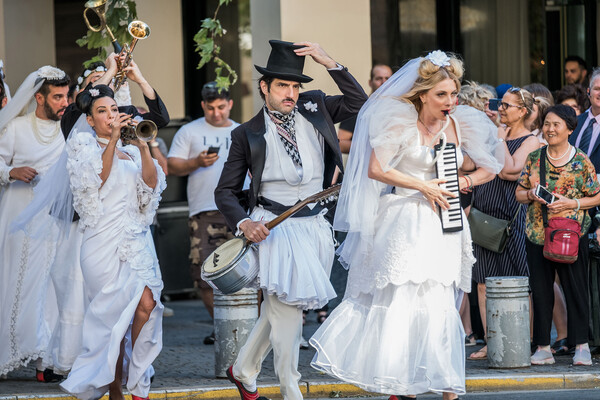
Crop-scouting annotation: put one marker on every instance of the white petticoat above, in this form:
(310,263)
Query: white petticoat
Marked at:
(401,340)
(398,330)
(296,260)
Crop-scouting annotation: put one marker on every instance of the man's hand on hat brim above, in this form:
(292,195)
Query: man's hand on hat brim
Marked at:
(316,52)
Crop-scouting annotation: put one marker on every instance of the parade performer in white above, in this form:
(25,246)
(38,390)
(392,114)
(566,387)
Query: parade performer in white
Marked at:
(291,150)
(29,145)
(398,330)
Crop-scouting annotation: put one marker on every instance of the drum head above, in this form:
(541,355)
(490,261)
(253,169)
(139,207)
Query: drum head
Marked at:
(224,256)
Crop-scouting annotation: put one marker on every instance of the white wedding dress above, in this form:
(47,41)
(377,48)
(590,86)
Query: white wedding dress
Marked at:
(117,262)
(398,330)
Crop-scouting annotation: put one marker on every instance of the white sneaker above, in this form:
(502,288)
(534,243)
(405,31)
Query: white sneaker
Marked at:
(168,312)
(303,343)
(582,357)
(542,357)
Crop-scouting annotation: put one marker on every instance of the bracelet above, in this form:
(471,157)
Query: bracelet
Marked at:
(578,205)
(470,180)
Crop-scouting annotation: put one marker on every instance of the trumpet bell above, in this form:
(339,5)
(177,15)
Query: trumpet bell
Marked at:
(138,29)
(146,130)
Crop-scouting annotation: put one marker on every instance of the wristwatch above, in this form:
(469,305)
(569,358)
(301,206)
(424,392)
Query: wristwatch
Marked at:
(153,144)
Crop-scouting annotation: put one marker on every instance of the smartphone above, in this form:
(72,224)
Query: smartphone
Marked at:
(493,104)
(543,193)
(213,150)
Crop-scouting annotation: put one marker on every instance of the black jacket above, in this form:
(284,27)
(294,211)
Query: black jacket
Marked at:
(248,146)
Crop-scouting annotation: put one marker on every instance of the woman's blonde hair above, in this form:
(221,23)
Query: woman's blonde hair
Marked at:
(525,98)
(474,95)
(430,75)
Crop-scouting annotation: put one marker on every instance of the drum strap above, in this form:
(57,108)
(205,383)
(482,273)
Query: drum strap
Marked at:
(278,208)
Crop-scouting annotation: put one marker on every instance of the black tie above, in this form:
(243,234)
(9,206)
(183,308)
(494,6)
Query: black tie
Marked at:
(586,137)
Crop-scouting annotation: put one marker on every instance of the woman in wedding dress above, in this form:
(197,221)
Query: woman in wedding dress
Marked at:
(116,191)
(398,330)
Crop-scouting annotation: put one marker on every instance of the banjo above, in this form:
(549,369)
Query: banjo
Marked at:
(234,264)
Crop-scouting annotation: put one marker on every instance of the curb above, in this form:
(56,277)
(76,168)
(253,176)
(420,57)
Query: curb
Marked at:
(490,383)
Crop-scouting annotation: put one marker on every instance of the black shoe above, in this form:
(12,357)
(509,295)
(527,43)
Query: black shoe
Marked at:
(209,340)
(48,376)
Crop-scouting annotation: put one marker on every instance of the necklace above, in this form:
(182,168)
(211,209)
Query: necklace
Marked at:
(422,123)
(558,158)
(102,140)
(36,132)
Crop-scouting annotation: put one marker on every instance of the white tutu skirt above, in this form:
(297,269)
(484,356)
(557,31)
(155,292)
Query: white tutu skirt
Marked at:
(404,339)
(296,260)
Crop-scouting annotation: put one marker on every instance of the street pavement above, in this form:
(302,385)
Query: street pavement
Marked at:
(185,368)
(589,394)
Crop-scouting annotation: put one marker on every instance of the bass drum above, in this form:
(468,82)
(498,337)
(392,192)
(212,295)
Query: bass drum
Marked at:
(232,266)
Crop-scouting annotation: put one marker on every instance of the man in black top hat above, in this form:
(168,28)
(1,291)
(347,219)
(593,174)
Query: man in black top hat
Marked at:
(291,150)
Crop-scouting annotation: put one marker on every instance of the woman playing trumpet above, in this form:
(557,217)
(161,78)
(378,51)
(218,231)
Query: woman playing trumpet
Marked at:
(116,191)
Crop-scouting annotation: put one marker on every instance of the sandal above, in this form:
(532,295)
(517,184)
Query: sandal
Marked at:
(561,348)
(470,340)
(480,354)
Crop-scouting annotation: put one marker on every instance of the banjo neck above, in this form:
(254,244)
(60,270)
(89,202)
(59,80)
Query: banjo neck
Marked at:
(323,196)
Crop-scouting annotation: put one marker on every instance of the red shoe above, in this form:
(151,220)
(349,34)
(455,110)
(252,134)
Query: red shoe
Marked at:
(134,397)
(47,376)
(244,394)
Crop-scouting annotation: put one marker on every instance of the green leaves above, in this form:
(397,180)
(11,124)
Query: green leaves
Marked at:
(209,51)
(119,13)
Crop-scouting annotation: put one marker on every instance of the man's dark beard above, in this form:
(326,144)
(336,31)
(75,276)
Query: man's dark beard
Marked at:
(50,114)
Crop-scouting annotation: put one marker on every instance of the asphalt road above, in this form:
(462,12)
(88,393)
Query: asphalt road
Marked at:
(588,394)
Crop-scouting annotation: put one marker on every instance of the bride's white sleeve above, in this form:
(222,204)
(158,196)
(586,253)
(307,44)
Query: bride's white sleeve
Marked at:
(84,165)
(479,138)
(7,143)
(392,131)
(148,198)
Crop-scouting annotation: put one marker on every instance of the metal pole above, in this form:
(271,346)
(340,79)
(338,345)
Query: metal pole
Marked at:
(235,315)
(507,303)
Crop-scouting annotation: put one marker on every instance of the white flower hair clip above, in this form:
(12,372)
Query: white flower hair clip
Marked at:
(439,58)
(51,73)
(310,106)
(94,92)
(79,80)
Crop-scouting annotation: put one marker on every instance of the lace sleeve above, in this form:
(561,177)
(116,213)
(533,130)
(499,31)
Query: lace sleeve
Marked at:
(148,198)
(85,165)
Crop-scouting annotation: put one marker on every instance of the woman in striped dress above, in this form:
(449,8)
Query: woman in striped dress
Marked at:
(497,198)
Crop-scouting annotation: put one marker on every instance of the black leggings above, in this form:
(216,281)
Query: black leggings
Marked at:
(574,282)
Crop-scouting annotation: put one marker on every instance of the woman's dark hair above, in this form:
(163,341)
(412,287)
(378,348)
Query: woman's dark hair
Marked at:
(85,99)
(575,92)
(565,113)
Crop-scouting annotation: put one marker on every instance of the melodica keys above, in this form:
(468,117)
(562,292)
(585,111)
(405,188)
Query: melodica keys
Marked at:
(447,168)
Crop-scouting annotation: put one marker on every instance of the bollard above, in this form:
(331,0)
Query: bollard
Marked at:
(507,302)
(235,315)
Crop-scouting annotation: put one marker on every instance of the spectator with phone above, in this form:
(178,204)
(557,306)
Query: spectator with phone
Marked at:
(573,185)
(199,150)
(497,199)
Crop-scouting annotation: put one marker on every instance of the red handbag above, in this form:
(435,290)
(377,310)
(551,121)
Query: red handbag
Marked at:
(561,242)
(561,234)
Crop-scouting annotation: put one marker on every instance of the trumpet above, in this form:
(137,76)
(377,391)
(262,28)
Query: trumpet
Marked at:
(139,30)
(145,130)
(99,7)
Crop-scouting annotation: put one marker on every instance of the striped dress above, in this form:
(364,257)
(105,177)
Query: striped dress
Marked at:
(497,198)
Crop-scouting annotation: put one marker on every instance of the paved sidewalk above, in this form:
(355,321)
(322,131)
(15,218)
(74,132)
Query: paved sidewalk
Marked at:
(185,369)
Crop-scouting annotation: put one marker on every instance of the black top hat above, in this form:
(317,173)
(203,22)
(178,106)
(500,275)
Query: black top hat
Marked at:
(283,63)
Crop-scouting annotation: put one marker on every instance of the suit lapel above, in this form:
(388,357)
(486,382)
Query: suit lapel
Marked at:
(580,121)
(317,119)
(255,132)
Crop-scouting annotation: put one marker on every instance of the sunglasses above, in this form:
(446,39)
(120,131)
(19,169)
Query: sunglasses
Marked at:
(515,90)
(505,106)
